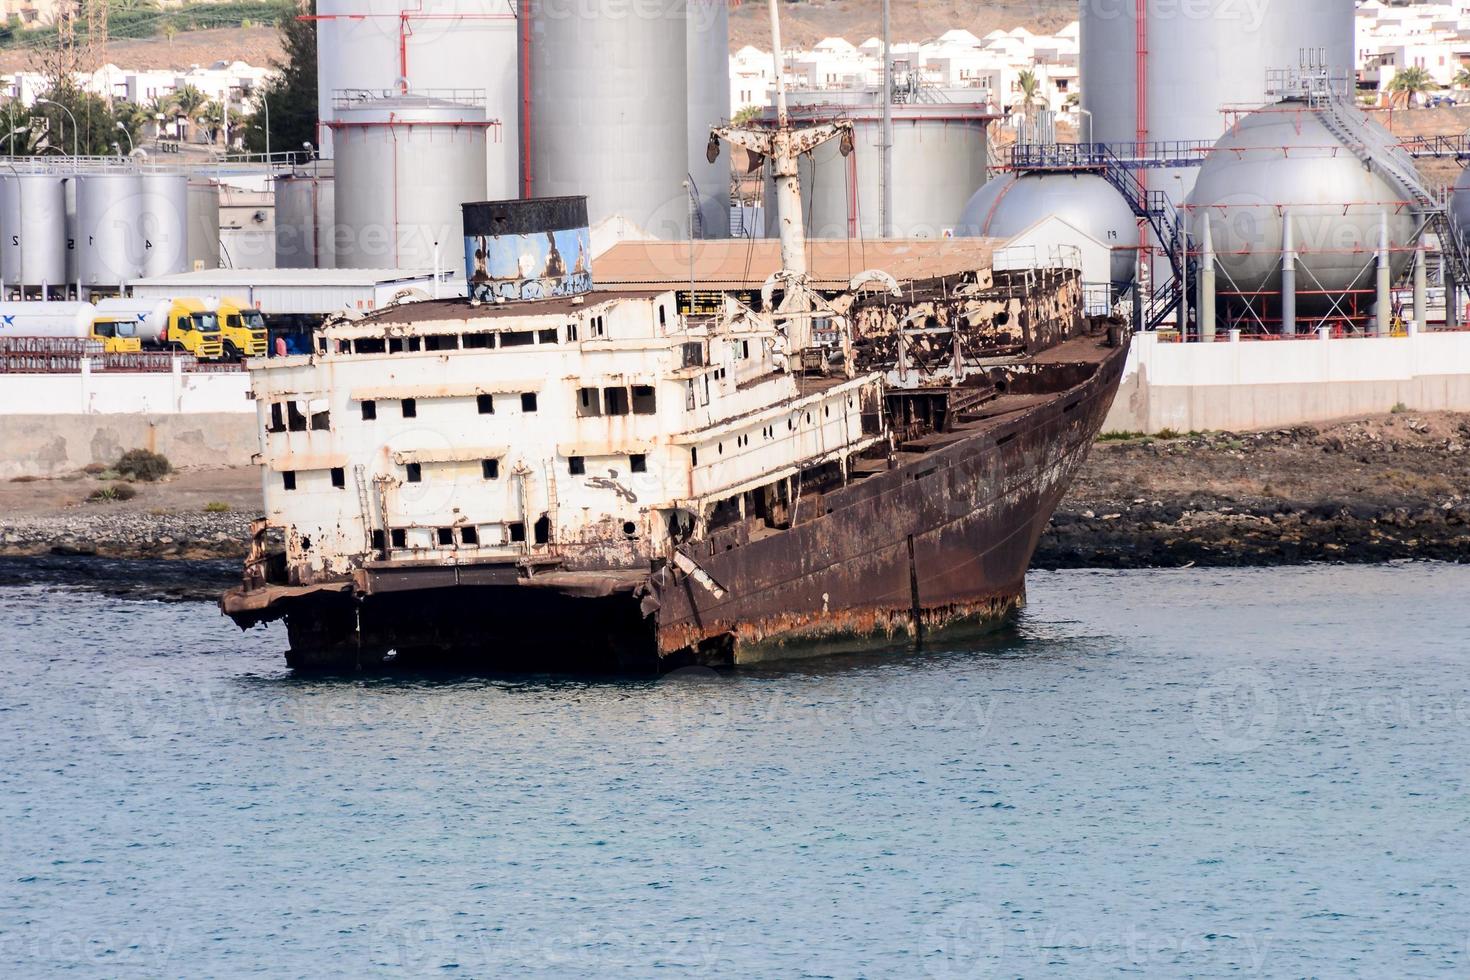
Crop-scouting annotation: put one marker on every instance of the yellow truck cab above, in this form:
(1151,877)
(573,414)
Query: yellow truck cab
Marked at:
(242,328)
(161,324)
(116,336)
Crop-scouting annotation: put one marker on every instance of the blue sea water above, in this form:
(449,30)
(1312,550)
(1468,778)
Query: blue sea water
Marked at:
(1172,773)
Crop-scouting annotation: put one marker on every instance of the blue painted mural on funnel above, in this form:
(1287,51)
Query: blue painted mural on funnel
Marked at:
(532,266)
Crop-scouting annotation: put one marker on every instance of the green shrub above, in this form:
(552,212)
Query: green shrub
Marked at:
(1399,409)
(1120,436)
(216,507)
(1169,434)
(140,464)
(118,491)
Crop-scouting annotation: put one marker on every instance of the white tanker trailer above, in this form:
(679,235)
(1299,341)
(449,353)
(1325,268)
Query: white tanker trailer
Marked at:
(80,321)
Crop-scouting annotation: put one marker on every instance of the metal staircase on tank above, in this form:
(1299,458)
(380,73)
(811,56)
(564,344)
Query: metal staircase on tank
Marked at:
(1121,170)
(1385,155)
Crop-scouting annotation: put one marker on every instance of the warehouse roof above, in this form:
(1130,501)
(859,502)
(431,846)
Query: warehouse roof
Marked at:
(746,263)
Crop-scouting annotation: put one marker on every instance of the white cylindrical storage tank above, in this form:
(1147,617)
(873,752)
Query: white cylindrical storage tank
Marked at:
(392,45)
(305,210)
(108,233)
(54,319)
(1279,162)
(939,156)
(33,220)
(1223,48)
(405,165)
(203,234)
(708,54)
(1009,205)
(165,227)
(609,111)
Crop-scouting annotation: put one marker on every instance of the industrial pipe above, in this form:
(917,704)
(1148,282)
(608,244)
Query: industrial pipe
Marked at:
(1288,277)
(1384,321)
(1207,284)
(1420,322)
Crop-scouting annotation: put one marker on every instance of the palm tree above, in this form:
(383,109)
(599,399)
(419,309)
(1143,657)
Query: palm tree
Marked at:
(189,104)
(1029,85)
(1411,82)
(1462,79)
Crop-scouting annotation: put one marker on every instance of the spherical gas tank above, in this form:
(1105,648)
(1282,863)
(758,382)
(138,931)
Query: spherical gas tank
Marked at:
(1460,204)
(1288,161)
(1008,205)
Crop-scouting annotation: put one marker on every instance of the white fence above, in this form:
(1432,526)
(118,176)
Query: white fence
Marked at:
(1267,384)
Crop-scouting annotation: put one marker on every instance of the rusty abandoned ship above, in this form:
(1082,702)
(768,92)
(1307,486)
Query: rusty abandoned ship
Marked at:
(708,452)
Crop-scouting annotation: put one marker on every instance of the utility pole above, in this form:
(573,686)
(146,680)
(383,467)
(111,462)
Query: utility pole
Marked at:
(887,229)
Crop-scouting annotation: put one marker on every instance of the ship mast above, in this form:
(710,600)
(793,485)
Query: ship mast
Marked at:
(784,146)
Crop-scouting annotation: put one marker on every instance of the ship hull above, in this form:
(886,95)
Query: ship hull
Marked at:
(938,545)
(934,544)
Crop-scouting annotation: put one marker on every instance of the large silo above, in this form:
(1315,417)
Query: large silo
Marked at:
(305,209)
(33,217)
(1287,163)
(404,166)
(939,158)
(609,115)
(203,236)
(165,223)
(108,232)
(1200,58)
(708,54)
(1010,204)
(422,45)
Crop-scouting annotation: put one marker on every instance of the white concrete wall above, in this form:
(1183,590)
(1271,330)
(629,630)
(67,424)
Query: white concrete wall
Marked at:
(1267,384)
(117,393)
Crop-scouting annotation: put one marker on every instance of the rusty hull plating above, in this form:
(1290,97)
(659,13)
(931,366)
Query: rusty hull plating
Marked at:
(925,461)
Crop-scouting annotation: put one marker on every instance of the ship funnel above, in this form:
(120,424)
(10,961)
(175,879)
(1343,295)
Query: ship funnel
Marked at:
(527,250)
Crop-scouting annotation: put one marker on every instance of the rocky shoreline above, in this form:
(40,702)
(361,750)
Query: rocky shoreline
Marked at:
(1392,487)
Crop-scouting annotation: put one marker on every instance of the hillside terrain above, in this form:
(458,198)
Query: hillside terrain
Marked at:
(806,22)
(802,24)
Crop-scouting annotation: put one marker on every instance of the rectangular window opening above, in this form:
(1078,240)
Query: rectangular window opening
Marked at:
(339,477)
(517,531)
(543,530)
(288,479)
(378,541)
(589,403)
(415,473)
(518,338)
(295,420)
(479,341)
(490,469)
(278,419)
(468,535)
(528,402)
(644,402)
(400,537)
(410,408)
(369,411)
(446,536)
(321,421)
(638,463)
(546,336)
(576,465)
(486,404)
(615,401)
